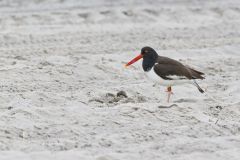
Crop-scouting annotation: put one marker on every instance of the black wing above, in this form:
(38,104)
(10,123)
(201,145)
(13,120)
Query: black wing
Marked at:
(170,69)
(171,72)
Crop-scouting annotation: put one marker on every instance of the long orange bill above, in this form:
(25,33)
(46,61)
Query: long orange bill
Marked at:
(134,60)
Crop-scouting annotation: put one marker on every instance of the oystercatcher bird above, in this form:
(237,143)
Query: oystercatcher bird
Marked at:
(166,71)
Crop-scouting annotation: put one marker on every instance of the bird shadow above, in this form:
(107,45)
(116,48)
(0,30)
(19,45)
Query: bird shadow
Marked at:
(183,100)
(167,106)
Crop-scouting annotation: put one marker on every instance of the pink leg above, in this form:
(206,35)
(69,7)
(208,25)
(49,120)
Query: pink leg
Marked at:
(169,90)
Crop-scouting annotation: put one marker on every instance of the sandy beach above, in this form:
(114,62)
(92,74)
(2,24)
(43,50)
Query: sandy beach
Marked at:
(62,67)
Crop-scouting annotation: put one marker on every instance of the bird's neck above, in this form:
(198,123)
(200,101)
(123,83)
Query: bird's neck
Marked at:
(149,62)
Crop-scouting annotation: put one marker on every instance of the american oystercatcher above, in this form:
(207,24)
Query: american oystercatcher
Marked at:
(166,71)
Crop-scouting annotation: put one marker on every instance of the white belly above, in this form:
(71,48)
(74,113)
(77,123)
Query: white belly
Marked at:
(157,79)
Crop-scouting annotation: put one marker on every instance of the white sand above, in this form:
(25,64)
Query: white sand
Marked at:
(61,66)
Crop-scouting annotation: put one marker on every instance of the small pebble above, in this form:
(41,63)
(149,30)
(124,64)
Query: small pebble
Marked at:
(9,108)
(219,107)
(110,95)
(122,93)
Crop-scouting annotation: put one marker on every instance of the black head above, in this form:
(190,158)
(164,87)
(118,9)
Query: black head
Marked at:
(149,58)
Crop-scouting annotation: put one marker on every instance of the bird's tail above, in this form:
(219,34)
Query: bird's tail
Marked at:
(199,88)
(196,74)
